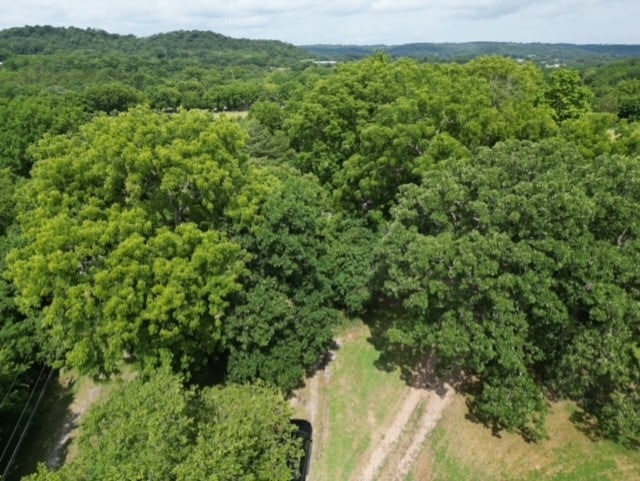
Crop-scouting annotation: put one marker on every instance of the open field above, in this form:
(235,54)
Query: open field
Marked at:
(463,450)
(370,426)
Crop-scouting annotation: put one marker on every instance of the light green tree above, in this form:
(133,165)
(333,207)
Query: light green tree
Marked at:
(567,95)
(154,428)
(123,251)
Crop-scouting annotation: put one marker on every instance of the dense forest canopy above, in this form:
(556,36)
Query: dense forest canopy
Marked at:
(547,53)
(201,46)
(482,211)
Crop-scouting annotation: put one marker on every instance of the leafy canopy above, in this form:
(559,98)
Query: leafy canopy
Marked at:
(156,429)
(123,249)
(520,267)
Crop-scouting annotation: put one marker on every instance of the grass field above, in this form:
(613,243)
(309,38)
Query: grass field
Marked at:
(353,402)
(353,406)
(464,451)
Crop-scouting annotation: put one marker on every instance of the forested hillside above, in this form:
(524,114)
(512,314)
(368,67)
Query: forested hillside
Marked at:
(484,214)
(548,53)
(195,46)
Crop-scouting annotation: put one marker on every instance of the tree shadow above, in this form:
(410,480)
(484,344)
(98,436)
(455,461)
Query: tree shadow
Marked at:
(212,373)
(324,361)
(48,439)
(417,369)
(588,424)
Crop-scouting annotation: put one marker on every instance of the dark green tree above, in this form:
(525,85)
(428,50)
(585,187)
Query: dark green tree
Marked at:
(281,325)
(26,119)
(111,97)
(518,267)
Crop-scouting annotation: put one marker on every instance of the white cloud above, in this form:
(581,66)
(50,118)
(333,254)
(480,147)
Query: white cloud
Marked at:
(346,21)
(396,6)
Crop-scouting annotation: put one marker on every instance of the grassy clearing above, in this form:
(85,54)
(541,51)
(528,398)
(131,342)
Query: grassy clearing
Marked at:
(355,402)
(464,451)
(362,399)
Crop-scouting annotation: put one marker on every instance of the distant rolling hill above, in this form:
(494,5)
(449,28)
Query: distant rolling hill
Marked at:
(543,52)
(203,46)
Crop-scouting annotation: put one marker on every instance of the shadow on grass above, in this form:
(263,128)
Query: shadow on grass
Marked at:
(588,424)
(47,440)
(417,369)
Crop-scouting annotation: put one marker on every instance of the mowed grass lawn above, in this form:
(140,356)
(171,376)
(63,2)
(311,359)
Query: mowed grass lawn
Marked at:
(460,450)
(362,400)
(356,402)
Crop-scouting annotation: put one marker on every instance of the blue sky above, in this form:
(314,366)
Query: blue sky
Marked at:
(347,21)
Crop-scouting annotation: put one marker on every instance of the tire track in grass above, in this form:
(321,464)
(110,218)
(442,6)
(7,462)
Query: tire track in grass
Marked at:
(433,413)
(378,456)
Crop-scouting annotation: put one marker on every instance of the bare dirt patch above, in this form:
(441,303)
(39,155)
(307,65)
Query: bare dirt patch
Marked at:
(88,393)
(433,413)
(374,458)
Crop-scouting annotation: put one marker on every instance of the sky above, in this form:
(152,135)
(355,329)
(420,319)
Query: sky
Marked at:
(373,22)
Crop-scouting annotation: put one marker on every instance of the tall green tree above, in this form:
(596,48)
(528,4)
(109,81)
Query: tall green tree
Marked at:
(155,429)
(519,267)
(567,94)
(122,248)
(20,351)
(376,124)
(281,325)
(25,119)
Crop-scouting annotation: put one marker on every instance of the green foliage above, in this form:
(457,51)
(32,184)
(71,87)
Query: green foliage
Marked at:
(111,97)
(375,125)
(265,144)
(269,114)
(235,96)
(546,53)
(282,323)
(244,434)
(517,266)
(350,265)
(122,251)
(25,119)
(155,429)
(594,133)
(148,235)
(567,95)
(205,47)
(164,98)
(20,346)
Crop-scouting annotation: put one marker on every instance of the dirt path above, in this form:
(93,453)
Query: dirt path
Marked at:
(88,394)
(397,451)
(374,460)
(396,439)
(433,413)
